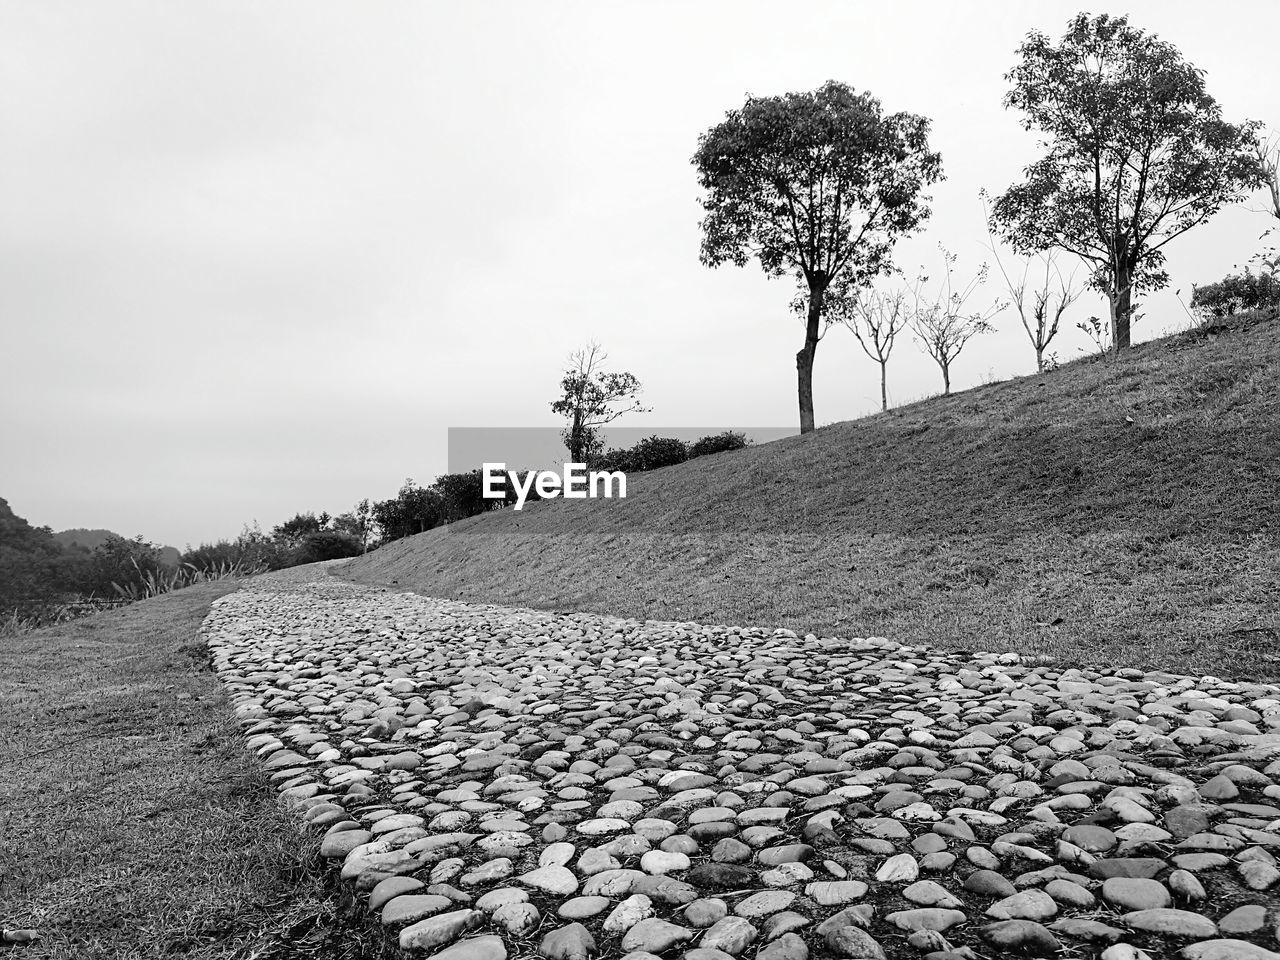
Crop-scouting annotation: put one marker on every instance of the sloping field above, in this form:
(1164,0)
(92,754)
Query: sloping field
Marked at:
(1108,513)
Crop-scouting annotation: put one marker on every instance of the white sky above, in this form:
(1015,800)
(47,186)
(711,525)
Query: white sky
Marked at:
(256,258)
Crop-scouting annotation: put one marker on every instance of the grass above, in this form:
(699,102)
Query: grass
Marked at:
(1108,513)
(133,822)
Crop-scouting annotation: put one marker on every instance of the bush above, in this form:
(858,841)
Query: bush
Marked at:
(213,556)
(654,452)
(612,460)
(327,545)
(649,454)
(1236,292)
(717,443)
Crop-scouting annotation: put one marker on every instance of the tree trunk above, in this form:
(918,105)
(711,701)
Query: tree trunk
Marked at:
(884,392)
(1121,308)
(1039,359)
(575,437)
(946,379)
(804,358)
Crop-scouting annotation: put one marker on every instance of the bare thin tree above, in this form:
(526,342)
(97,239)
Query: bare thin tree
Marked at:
(1041,314)
(875,318)
(1268,156)
(1269,168)
(942,323)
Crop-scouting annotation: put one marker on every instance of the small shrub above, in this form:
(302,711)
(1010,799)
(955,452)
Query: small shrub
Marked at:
(717,443)
(1235,293)
(1099,331)
(654,452)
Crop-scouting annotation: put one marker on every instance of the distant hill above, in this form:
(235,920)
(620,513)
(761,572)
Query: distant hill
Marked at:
(91,539)
(1112,512)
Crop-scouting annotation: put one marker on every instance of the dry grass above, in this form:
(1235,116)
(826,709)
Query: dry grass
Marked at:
(134,823)
(1107,513)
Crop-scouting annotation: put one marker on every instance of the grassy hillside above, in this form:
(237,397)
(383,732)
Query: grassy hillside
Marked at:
(1118,512)
(135,822)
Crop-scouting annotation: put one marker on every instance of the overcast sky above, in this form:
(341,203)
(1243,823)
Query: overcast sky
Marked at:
(257,257)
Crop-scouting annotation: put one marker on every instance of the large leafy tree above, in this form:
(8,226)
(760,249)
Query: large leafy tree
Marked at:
(814,185)
(1136,154)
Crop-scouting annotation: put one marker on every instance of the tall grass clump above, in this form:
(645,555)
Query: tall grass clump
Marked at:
(149,583)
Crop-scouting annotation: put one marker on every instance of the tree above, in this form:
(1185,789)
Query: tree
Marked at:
(814,185)
(1137,153)
(1268,157)
(591,397)
(1268,160)
(875,318)
(1050,298)
(291,532)
(358,524)
(413,510)
(462,495)
(326,545)
(940,321)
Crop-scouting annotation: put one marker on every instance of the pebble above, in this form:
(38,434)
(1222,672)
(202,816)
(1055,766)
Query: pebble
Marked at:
(438,931)
(572,942)
(407,909)
(1027,905)
(1172,923)
(1134,893)
(655,936)
(552,878)
(1244,920)
(731,934)
(1227,949)
(474,948)
(1025,935)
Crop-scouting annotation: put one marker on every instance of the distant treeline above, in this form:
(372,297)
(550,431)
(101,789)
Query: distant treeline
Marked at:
(38,573)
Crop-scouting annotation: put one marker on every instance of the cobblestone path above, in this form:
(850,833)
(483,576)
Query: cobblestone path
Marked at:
(502,782)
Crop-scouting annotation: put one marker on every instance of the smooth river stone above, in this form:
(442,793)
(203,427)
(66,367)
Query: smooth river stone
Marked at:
(553,879)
